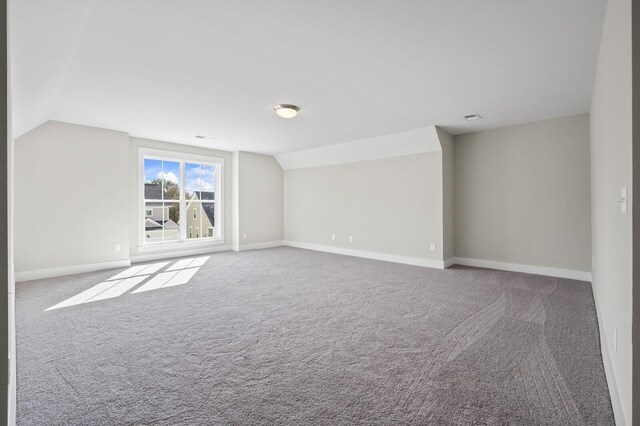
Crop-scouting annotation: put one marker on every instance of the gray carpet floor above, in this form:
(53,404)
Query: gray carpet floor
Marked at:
(287,336)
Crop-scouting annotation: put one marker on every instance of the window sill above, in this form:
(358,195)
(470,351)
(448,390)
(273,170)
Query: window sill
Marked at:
(177,245)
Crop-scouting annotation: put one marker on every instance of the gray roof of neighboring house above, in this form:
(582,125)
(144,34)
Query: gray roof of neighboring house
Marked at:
(152,191)
(209,208)
(205,195)
(168,224)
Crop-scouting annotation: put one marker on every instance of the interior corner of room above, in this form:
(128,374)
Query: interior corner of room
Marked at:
(544,187)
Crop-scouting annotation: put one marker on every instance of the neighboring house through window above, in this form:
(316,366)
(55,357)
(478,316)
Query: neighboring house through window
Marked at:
(174,184)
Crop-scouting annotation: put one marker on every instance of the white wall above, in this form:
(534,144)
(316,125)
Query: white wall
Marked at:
(390,206)
(11,326)
(235,200)
(521,194)
(260,198)
(77,197)
(611,169)
(71,196)
(448,177)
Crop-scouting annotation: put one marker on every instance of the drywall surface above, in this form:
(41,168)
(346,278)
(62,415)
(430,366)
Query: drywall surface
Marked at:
(235,201)
(134,212)
(521,194)
(71,196)
(7,309)
(635,26)
(260,192)
(416,141)
(391,206)
(446,142)
(611,169)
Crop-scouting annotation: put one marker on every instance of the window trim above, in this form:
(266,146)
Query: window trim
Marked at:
(182,158)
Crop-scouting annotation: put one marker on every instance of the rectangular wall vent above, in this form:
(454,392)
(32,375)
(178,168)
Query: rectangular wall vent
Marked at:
(471,117)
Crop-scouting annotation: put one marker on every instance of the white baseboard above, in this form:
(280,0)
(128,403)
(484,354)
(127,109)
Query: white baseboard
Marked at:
(258,246)
(92,267)
(416,261)
(70,270)
(449,262)
(612,383)
(173,254)
(527,269)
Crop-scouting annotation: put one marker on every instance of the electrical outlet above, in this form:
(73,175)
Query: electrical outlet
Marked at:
(350,238)
(116,248)
(433,247)
(244,235)
(333,237)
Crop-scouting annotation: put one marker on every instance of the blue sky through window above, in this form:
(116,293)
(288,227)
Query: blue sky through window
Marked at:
(153,170)
(199,177)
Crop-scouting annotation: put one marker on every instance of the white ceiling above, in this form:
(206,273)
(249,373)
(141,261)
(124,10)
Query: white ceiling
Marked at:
(172,69)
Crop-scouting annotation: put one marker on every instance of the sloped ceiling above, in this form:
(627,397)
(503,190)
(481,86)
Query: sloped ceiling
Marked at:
(172,69)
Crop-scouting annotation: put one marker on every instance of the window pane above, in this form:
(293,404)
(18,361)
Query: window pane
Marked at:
(161,222)
(208,215)
(171,180)
(192,177)
(201,181)
(208,180)
(171,225)
(153,221)
(152,184)
(194,214)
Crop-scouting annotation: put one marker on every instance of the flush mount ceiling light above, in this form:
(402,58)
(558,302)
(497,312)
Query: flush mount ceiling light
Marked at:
(286,110)
(472,117)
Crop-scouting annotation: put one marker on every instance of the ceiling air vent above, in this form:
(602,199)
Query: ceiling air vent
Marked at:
(472,117)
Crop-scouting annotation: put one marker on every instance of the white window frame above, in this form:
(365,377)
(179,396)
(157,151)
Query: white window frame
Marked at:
(181,158)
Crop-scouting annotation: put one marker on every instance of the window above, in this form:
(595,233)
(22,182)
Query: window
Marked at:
(173,184)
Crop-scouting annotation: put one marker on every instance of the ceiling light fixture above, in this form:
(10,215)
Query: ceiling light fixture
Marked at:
(286,110)
(472,117)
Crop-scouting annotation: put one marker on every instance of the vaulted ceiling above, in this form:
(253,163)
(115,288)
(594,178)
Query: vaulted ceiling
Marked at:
(173,69)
